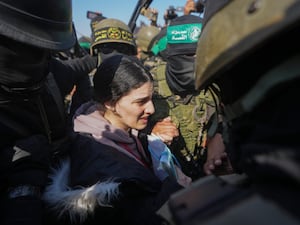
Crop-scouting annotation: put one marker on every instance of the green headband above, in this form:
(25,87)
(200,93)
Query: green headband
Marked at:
(184,34)
(160,46)
(85,45)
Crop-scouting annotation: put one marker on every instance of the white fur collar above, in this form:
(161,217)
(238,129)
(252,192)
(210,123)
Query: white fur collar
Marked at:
(80,202)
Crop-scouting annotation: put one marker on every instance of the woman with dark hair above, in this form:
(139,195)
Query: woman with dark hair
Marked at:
(110,176)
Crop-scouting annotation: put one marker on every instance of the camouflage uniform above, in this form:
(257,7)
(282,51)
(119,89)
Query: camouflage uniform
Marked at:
(145,38)
(191,112)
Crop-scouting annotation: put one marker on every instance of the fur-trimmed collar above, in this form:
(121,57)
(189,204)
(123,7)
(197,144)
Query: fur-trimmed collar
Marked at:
(78,202)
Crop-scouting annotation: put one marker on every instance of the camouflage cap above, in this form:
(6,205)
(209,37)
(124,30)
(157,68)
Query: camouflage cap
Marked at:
(110,31)
(145,37)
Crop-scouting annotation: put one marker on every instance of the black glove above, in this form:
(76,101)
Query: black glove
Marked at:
(30,161)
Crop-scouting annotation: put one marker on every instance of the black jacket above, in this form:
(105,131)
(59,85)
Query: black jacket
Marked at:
(37,109)
(129,192)
(21,113)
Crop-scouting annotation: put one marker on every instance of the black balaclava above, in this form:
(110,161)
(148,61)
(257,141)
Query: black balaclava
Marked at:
(182,36)
(22,67)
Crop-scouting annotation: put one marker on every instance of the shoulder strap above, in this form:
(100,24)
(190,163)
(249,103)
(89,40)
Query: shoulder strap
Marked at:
(56,94)
(24,131)
(160,77)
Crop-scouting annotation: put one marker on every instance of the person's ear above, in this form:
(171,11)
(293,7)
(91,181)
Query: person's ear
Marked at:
(108,105)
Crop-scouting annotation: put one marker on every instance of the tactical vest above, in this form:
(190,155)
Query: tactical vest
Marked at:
(42,112)
(191,114)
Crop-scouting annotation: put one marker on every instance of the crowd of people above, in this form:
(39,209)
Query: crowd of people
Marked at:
(119,127)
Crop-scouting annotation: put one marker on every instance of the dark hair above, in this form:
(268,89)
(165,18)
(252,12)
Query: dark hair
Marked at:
(118,75)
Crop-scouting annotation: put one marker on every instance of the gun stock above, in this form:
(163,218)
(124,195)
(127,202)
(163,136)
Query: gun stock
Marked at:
(139,6)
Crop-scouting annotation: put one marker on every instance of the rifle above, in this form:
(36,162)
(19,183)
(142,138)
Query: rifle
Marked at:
(139,6)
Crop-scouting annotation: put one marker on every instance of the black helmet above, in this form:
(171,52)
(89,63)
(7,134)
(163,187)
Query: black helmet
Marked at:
(45,24)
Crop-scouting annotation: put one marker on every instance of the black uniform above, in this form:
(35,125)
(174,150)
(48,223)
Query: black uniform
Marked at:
(35,119)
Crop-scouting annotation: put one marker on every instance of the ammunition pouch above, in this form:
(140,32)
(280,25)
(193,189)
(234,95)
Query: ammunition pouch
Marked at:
(190,114)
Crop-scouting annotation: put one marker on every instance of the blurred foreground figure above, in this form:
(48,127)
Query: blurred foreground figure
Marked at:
(33,84)
(256,64)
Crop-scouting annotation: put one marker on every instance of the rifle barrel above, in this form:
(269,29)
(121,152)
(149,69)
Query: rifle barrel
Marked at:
(140,4)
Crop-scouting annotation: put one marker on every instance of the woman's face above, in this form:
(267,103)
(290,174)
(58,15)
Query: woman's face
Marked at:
(133,109)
